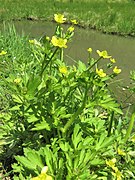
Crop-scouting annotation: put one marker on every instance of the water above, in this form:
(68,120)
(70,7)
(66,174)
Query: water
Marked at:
(121,48)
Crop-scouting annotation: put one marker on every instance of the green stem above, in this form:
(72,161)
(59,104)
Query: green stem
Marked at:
(61,54)
(110,124)
(93,64)
(130,127)
(43,69)
(69,123)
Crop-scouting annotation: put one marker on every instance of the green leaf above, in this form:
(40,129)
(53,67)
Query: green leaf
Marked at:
(104,142)
(76,162)
(17,99)
(48,158)
(77,136)
(70,76)
(35,158)
(97,161)
(41,126)
(61,162)
(32,118)
(131,153)
(33,83)
(69,161)
(82,156)
(14,108)
(110,104)
(81,66)
(65,147)
(26,163)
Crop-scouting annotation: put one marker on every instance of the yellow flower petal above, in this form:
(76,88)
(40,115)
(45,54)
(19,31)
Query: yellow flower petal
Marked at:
(59,42)
(74,21)
(31,41)
(3,53)
(44,170)
(118,175)
(17,80)
(35,178)
(63,70)
(103,54)
(116,70)
(112,60)
(59,18)
(114,168)
(71,29)
(120,152)
(89,50)
(100,72)
(48,178)
(111,162)
(43,175)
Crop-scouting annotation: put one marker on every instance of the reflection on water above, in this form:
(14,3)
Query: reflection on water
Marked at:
(121,48)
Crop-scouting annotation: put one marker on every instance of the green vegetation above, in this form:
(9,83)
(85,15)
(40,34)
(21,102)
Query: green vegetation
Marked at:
(59,121)
(110,16)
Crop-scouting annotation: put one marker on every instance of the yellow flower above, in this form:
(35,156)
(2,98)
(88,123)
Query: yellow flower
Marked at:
(74,21)
(111,162)
(120,152)
(63,70)
(59,42)
(43,175)
(59,18)
(31,41)
(117,174)
(100,72)
(71,29)
(3,53)
(116,70)
(103,54)
(17,80)
(34,41)
(112,60)
(89,50)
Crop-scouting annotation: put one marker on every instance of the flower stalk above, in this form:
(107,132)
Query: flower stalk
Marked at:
(69,123)
(110,124)
(91,66)
(130,127)
(43,69)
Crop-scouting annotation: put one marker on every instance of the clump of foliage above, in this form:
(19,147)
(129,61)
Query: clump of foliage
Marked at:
(61,121)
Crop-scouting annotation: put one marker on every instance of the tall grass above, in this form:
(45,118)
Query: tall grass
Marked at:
(18,52)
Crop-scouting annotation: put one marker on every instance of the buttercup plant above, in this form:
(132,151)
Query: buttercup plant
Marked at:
(62,121)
